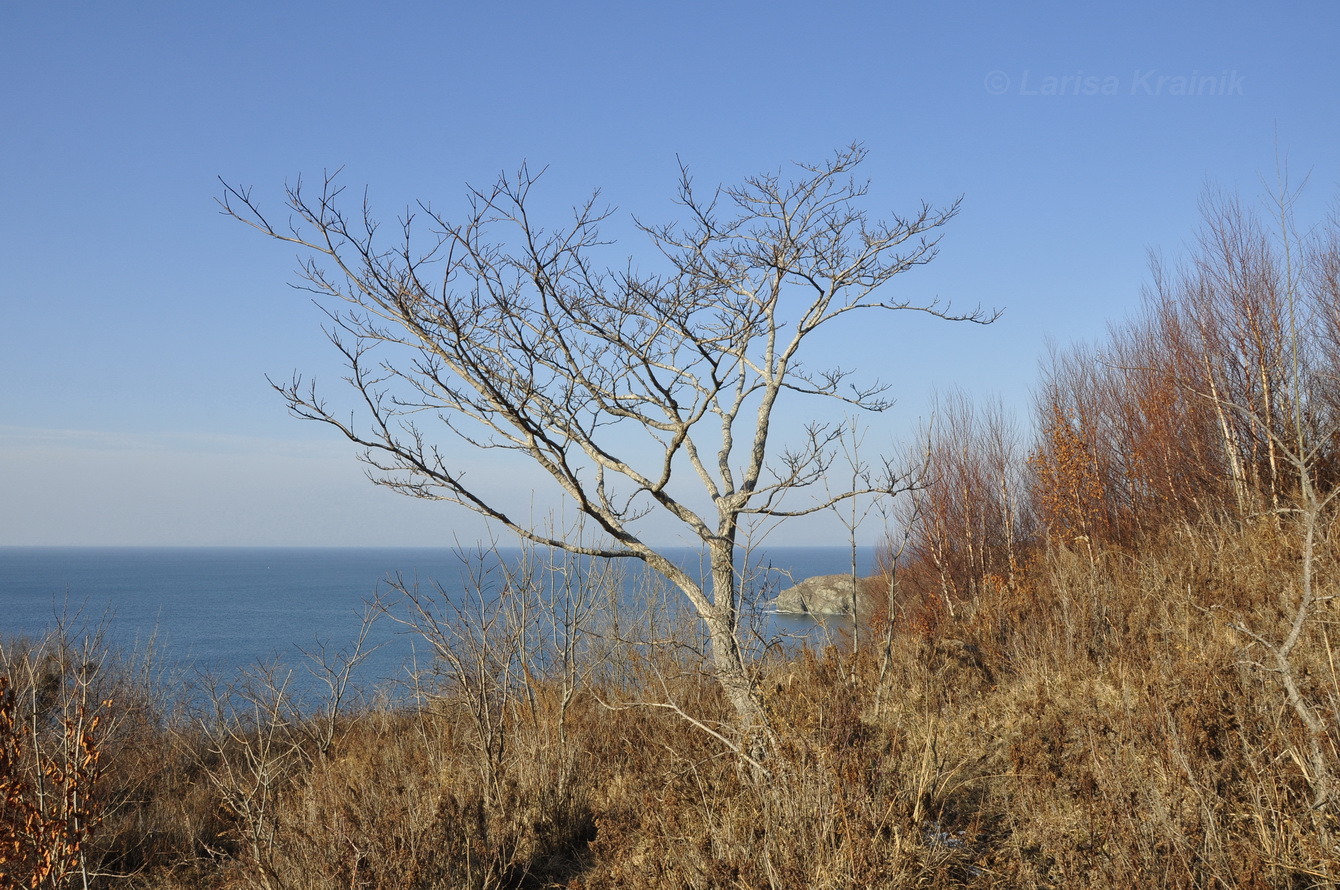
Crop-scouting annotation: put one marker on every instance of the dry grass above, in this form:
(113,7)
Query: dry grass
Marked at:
(1097,725)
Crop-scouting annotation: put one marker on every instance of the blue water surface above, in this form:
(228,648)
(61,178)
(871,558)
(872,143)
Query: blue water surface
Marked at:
(217,611)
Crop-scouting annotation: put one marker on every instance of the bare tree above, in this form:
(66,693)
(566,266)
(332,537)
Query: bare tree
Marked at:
(636,392)
(963,529)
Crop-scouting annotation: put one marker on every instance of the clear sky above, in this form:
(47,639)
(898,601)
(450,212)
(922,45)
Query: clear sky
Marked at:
(139,323)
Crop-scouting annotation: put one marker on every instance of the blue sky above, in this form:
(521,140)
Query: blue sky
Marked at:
(140,323)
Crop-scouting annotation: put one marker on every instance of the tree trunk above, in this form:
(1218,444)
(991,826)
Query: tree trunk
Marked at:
(728,660)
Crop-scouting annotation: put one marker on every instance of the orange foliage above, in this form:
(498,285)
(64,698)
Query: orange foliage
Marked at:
(1069,493)
(45,819)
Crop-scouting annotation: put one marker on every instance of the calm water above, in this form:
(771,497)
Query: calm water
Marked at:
(219,610)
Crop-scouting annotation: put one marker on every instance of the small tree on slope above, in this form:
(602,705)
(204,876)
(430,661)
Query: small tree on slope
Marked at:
(636,393)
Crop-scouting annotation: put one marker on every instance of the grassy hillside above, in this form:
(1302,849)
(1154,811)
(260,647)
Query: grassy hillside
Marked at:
(1103,660)
(1106,720)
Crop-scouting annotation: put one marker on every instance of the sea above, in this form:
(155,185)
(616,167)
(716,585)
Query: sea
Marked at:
(208,615)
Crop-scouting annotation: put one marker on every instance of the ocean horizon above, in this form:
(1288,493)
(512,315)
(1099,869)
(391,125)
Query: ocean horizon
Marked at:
(206,614)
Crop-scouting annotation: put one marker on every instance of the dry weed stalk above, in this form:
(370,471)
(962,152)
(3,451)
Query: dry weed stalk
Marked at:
(258,743)
(518,622)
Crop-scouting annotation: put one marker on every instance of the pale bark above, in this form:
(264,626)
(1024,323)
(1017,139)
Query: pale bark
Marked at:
(634,392)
